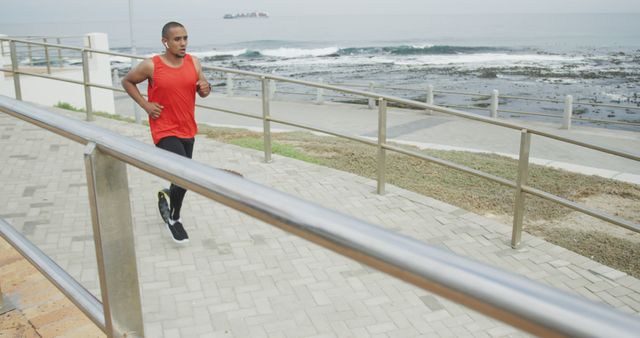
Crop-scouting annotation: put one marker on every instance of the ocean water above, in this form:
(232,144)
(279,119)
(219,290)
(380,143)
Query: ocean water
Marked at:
(594,57)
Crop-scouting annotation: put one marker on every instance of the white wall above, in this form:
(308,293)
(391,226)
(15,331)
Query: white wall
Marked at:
(100,70)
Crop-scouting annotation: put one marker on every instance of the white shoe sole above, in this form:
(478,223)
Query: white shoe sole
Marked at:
(184,241)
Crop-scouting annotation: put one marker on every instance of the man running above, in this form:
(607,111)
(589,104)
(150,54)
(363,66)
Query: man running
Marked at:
(173,80)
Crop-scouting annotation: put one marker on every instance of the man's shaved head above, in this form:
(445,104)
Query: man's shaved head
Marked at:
(168,26)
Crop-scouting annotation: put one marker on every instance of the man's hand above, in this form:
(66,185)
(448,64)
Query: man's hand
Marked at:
(203,87)
(153,109)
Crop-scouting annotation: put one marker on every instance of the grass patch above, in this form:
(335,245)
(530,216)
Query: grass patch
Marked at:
(618,253)
(276,148)
(68,106)
(117,117)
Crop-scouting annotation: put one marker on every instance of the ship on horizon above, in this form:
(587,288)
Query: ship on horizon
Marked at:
(249,15)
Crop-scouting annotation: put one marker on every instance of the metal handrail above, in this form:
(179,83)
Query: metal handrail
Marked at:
(73,290)
(376,96)
(523,303)
(46,36)
(575,118)
(520,112)
(487,96)
(515,97)
(79,49)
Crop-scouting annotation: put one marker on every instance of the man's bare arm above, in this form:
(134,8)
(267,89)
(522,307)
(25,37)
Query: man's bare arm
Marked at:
(140,73)
(203,86)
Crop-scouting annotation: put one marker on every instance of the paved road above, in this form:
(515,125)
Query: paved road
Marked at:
(242,278)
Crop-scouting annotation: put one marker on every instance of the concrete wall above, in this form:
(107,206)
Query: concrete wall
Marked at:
(49,92)
(100,69)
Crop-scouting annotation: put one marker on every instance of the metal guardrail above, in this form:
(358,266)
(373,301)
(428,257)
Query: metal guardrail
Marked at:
(494,109)
(44,49)
(73,290)
(267,80)
(494,98)
(520,302)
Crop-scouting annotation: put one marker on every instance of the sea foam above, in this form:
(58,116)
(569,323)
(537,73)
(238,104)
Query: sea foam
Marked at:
(299,52)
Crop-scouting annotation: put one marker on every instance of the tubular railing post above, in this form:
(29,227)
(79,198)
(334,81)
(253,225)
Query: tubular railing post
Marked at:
(523,173)
(59,53)
(382,139)
(87,88)
(372,102)
(568,112)
(272,89)
(5,304)
(14,68)
(30,54)
(266,124)
(46,56)
(137,111)
(320,93)
(229,84)
(114,243)
(429,98)
(494,104)
(115,78)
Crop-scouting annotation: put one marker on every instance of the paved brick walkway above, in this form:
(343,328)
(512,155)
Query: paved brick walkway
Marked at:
(240,277)
(40,309)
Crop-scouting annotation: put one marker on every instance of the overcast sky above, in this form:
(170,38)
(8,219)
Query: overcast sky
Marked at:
(23,11)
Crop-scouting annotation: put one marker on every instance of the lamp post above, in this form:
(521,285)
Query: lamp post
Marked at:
(133,45)
(136,109)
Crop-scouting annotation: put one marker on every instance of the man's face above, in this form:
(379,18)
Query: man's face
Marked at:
(176,41)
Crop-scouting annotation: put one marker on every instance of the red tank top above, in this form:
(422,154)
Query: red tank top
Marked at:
(175,89)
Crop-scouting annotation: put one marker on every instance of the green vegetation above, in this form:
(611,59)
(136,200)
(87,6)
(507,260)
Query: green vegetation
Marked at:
(116,117)
(276,148)
(67,106)
(612,251)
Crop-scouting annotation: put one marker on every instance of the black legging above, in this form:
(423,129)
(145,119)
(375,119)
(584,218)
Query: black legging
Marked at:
(182,147)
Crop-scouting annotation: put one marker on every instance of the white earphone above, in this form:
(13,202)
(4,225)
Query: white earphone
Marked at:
(166,45)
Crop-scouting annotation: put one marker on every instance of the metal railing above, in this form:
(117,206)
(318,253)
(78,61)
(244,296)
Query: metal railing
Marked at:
(383,146)
(45,54)
(519,185)
(493,108)
(83,299)
(520,302)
